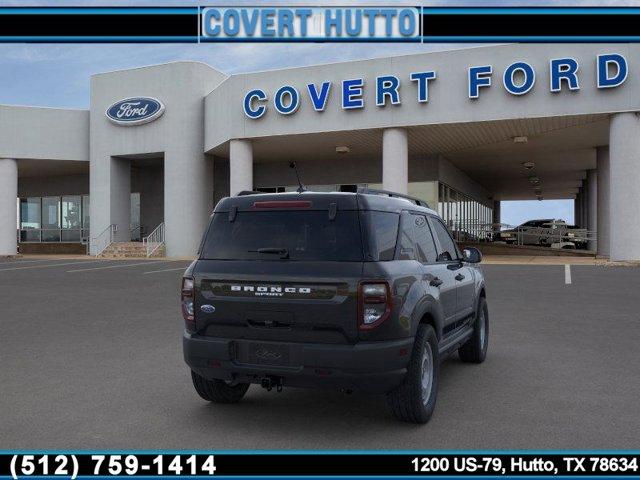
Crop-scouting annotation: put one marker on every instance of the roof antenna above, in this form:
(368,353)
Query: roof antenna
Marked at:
(301,187)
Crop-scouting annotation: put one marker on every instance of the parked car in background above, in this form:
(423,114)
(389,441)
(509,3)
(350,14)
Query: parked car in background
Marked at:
(546,233)
(525,234)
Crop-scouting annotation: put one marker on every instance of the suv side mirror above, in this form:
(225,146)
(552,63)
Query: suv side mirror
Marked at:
(471,255)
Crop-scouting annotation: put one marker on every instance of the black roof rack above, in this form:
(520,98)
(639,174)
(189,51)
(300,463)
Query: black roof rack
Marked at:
(373,191)
(364,190)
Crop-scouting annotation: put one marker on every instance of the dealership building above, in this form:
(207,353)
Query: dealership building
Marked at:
(462,129)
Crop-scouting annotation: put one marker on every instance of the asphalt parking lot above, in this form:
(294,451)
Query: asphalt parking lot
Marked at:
(90,358)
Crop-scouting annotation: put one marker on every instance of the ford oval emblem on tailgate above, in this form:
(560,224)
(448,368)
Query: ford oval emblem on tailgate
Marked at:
(208,308)
(265,354)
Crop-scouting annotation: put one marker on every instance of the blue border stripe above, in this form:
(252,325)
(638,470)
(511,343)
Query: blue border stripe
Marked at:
(89,39)
(309,39)
(98,11)
(531,11)
(531,39)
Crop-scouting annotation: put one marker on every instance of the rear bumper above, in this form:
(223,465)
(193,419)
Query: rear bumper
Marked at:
(371,367)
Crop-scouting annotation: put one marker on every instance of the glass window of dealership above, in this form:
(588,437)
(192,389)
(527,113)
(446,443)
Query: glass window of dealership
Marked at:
(64,219)
(57,219)
(465,216)
(54,219)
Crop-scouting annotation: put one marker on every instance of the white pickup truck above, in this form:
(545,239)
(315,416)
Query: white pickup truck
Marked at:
(546,232)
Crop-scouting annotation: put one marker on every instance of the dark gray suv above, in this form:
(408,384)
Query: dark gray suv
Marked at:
(358,291)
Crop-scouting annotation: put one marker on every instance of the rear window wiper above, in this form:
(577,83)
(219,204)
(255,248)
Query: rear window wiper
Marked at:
(283,252)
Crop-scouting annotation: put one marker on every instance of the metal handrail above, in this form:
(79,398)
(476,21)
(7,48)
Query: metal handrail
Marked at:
(154,240)
(487,232)
(140,232)
(562,235)
(100,242)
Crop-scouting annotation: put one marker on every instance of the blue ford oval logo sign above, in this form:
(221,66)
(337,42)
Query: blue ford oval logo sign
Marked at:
(208,308)
(135,111)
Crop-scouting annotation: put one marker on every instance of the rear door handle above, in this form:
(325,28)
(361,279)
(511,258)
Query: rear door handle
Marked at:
(435,282)
(459,277)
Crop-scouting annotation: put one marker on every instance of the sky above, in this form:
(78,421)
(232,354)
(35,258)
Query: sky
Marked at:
(517,212)
(58,75)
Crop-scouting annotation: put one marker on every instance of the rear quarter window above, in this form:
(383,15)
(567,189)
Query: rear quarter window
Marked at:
(380,231)
(427,252)
(406,239)
(447,250)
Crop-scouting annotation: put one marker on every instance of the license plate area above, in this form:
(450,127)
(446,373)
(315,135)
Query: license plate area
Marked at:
(261,353)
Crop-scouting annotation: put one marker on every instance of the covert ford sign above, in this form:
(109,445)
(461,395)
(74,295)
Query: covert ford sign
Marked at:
(135,111)
(518,78)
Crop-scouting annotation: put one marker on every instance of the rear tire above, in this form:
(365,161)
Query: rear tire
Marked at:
(415,399)
(218,391)
(475,350)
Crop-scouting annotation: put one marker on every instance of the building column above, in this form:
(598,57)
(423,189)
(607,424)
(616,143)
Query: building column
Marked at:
(240,166)
(188,199)
(395,160)
(496,219)
(624,154)
(496,215)
(592,209)
(584,207)
(576,209)
(604,219)
(8,199)
(110,188)
(121,198)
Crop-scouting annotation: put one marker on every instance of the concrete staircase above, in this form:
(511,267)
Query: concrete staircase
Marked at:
(129,250)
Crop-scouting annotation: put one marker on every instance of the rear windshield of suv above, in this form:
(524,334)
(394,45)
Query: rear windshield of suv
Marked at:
(303,234)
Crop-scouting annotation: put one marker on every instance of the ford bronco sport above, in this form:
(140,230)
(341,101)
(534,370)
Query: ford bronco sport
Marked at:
(358,291)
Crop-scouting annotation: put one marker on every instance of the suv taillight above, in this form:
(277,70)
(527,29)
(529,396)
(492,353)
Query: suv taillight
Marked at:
(374,304)
(186,299)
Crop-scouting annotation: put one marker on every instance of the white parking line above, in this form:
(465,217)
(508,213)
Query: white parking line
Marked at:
(49,265)
(118,266)
(166,270)
(567,274)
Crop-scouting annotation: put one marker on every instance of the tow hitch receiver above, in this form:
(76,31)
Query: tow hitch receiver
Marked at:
(270,382)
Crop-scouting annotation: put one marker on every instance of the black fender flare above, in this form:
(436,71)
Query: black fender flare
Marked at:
(480,288)
(479,295)
(428,306)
